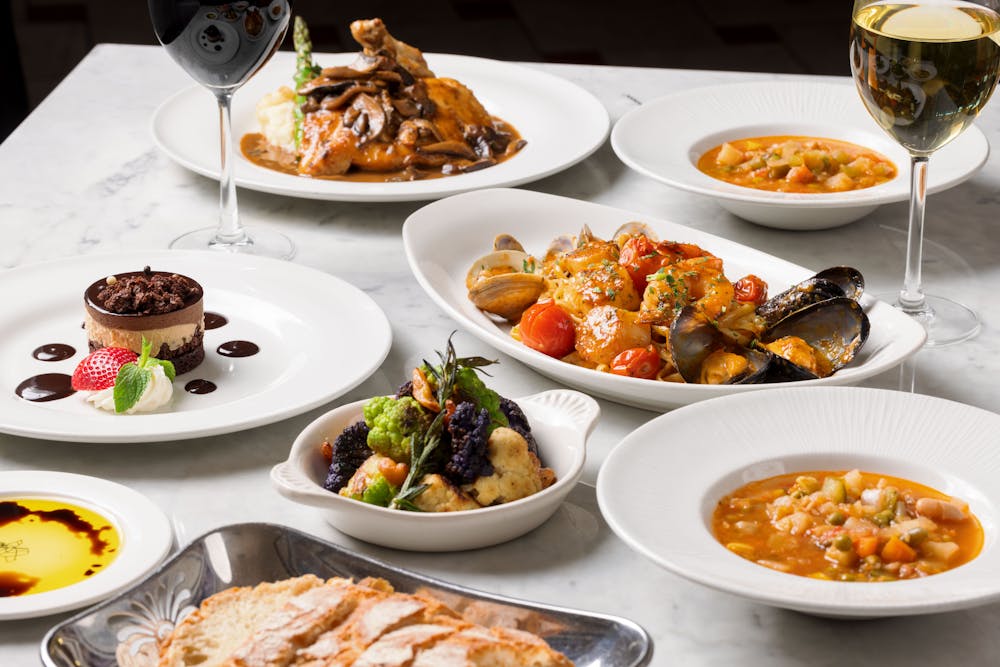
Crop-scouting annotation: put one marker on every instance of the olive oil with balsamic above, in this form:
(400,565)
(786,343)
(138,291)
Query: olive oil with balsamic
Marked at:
(47,544)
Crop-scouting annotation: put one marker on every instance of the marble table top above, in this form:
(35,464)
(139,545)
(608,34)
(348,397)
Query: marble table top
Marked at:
(81,175)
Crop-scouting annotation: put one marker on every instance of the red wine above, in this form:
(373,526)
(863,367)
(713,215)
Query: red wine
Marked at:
(221,45)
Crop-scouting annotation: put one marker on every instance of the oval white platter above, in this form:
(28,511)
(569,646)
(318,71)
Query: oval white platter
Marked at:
(443,239)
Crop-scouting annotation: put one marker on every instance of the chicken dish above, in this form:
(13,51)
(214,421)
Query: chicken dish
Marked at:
(385,117)
(665,310)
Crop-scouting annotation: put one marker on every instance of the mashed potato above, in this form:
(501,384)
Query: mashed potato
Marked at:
(276,117)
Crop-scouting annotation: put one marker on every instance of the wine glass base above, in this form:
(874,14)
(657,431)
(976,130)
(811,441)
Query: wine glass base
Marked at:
(946,322)
(259,241)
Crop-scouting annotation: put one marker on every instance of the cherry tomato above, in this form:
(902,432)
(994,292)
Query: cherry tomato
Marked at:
(639,257)
(637,362)
(547,328)
(750,289)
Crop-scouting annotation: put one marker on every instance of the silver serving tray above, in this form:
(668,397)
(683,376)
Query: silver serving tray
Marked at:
(124,631)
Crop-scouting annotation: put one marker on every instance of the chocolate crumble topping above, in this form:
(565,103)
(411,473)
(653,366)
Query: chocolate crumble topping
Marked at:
(147,293)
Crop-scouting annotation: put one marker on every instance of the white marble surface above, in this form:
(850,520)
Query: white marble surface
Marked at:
(81,175)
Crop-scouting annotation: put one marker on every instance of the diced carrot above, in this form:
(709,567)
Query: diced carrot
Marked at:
(800,174)
(865,546)
(896,550)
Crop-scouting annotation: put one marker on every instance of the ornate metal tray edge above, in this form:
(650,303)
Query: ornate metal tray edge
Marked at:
(125,630)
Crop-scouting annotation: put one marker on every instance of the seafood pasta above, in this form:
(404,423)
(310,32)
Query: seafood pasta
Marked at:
(665,310)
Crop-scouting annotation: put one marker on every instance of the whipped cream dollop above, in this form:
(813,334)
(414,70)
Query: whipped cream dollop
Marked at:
(158,392)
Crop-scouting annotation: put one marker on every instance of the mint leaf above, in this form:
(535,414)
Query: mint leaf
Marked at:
(145,361)
(129,385)
(168,368)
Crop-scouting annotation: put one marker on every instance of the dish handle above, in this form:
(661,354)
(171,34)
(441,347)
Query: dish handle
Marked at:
(292,484)
(581,410)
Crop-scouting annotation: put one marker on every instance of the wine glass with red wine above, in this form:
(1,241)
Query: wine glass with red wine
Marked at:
(221,45)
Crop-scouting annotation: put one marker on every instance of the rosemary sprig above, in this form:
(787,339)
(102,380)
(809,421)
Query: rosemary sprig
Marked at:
(424,445)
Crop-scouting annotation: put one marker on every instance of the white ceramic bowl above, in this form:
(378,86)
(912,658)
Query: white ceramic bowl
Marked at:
(561,421)
(659,487)
(664,138)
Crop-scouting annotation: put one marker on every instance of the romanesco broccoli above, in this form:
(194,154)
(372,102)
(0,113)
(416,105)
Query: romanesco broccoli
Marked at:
(392,423)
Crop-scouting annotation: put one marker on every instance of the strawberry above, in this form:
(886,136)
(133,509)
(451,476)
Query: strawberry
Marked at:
(99,369)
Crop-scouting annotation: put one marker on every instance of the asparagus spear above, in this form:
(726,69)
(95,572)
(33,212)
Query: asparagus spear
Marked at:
(305,69)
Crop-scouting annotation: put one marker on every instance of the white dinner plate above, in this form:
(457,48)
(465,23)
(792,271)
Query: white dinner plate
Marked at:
(561,122)
(443,239)
(318,336)
(143,530)
(659,487)
(664,138)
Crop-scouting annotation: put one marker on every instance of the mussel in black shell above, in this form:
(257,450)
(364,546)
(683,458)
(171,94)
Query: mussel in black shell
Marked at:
(806,342)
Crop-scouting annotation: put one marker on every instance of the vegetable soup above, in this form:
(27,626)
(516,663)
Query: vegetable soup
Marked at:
(847,526)
(797,164)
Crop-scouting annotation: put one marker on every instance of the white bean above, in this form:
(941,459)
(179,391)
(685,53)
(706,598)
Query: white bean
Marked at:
(940,510)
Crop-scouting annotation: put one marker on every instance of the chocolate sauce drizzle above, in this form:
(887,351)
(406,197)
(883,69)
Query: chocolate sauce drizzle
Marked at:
(200,387)
(215,320)
(53,352)
(45,387)
(238,348)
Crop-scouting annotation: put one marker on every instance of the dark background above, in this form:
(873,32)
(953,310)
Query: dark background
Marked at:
(42,40)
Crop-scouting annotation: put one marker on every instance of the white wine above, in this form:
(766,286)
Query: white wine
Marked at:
(924,70)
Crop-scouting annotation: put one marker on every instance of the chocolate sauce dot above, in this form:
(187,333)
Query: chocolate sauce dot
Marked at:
(45,387)
(53,352)
(214,320)
(238,348)
(200,387)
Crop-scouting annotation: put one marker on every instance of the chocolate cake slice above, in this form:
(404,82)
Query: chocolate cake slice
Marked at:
(164,308)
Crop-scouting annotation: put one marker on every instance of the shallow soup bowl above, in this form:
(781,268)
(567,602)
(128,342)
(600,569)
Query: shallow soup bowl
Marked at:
(561,421)
(647,140)
(689,459)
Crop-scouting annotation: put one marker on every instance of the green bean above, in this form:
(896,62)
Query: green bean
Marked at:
(834,489)
(915,536)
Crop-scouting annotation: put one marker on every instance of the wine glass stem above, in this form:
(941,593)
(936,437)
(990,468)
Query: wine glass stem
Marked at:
(230,231)
(911,297)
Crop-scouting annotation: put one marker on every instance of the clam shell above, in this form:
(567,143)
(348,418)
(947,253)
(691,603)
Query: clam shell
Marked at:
(507,295)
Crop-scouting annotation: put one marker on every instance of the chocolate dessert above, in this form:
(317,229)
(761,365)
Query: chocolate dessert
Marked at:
(164,308)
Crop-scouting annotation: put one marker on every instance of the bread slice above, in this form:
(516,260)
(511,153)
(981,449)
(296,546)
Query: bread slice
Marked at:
(297,624)
(305,622)
(380,611)
(208,636)
(490,647)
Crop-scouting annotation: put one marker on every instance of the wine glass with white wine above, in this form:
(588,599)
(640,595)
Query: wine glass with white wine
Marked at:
(924,69)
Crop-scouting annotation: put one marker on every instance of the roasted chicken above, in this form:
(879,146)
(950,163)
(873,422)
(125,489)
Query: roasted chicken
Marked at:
(388,112)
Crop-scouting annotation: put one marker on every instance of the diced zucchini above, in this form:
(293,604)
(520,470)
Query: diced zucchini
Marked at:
(834,489)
